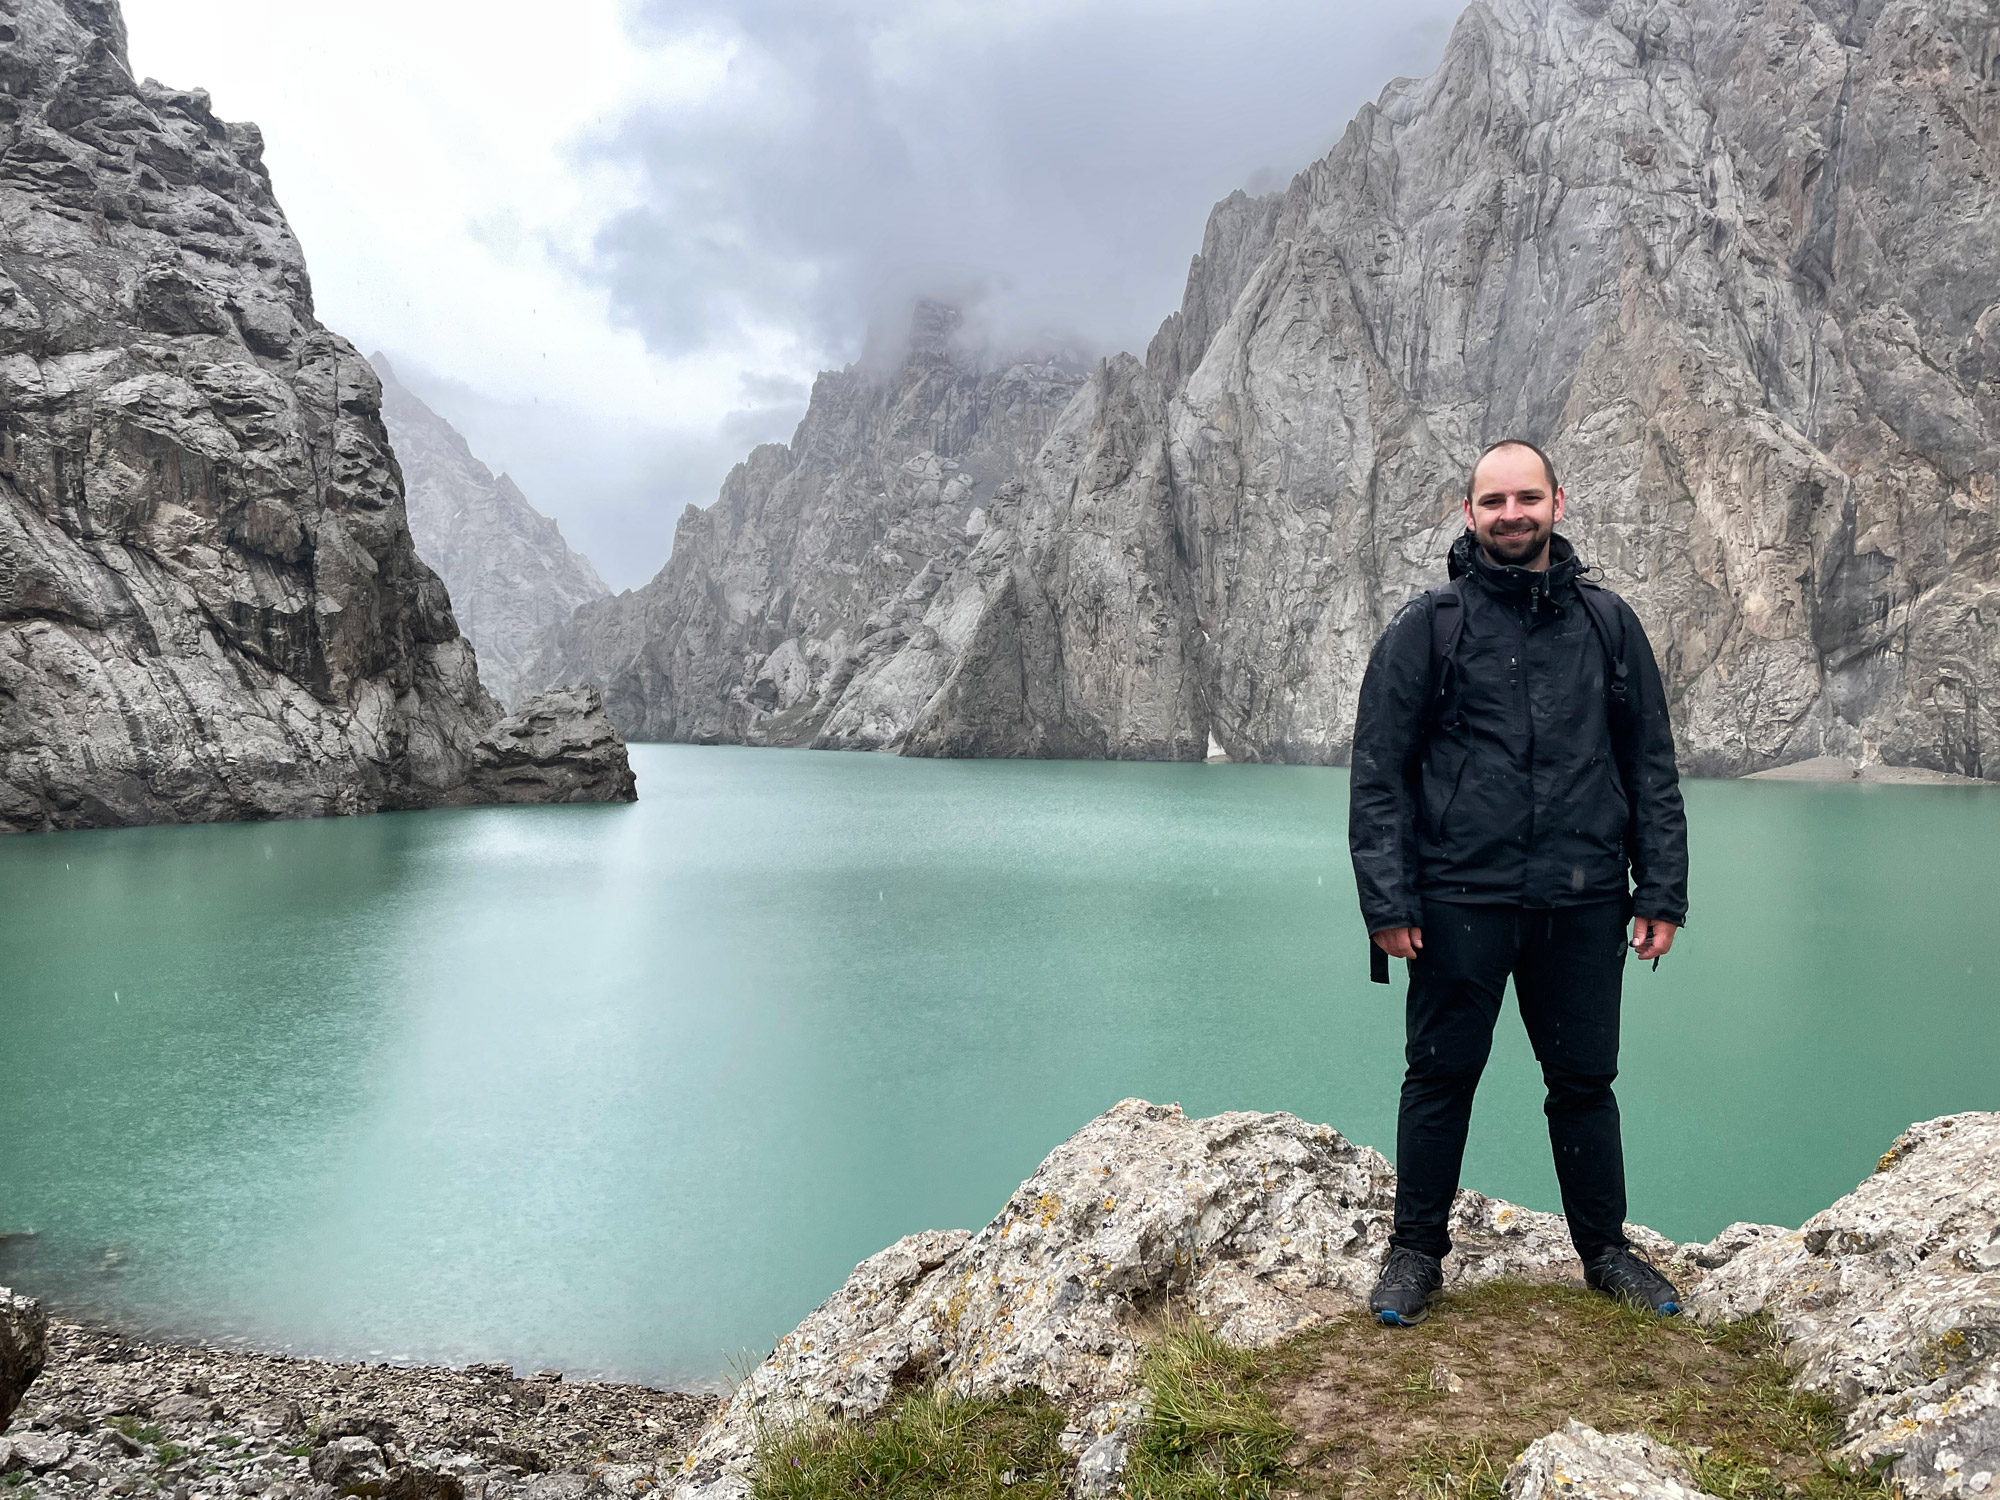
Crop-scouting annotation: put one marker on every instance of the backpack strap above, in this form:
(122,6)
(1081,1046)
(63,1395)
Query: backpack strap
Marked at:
(1609,623)
(1447,606)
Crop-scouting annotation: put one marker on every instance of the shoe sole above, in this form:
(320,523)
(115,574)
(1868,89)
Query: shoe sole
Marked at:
(1389,1318)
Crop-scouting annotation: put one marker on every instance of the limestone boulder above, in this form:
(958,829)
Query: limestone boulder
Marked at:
(558,746)
(1581,1463)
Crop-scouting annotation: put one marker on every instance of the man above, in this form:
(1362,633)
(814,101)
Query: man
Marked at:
(1512,759)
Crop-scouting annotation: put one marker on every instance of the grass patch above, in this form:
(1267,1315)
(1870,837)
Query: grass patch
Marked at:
(133,1428)
(1442,1410)
(1355,1411)
(1211,1434)
(929,1443)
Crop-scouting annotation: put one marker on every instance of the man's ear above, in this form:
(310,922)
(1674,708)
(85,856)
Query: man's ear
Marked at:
(1554,519)
(1467,505)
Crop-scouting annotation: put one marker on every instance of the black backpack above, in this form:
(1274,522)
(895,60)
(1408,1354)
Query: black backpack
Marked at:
(1447,607)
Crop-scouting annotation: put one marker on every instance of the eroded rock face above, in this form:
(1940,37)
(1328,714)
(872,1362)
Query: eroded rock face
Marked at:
(799,608)
(209,603)
(510,572)
(1583,1463)
(556,747)
(1889,1302)
(1733,266)
(1260,1225)
(24,1338)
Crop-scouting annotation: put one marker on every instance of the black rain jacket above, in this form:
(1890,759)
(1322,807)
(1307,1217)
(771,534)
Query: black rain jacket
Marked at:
(1510,791)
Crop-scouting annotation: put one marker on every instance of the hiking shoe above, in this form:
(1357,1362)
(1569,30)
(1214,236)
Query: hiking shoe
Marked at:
(1403,1291)
(1631,1278)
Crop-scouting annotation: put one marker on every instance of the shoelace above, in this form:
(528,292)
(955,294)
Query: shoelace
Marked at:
(1405,1269)
(1631,1270)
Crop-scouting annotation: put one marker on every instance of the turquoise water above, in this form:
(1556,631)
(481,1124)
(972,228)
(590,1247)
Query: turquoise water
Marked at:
(627,1090)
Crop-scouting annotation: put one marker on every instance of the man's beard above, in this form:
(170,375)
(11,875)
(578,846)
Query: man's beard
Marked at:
(1517,547)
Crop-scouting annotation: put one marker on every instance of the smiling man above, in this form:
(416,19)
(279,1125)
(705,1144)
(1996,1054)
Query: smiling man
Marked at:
(1513,765)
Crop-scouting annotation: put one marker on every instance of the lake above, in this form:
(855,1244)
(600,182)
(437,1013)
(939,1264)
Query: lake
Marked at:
(628,1090)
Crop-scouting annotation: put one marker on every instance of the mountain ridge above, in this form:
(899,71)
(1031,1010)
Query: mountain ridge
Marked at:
(510,572)
(210,607)
(1733,267)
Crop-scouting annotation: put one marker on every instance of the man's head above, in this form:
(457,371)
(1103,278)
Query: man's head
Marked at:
(1512,503)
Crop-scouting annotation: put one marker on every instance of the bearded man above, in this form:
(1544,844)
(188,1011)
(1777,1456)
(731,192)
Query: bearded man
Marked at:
(1513,762)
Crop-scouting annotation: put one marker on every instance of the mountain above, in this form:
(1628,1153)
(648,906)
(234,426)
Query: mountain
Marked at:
(510,573)
(805,606)
(1734,265)
(209,603)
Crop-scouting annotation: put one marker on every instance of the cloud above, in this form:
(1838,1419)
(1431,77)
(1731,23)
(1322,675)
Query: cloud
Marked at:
(613,241)
(1052,162)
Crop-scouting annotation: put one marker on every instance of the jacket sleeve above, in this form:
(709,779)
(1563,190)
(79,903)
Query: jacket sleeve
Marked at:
(1382,789)
(1656,838)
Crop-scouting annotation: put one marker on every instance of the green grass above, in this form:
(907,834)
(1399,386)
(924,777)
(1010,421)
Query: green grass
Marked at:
(1455,1469)
(1211,1434)
(929,1443)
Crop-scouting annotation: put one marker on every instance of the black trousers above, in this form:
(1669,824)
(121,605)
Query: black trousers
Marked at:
(1568,965)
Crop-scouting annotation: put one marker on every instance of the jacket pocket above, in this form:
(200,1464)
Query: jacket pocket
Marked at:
(1442,775)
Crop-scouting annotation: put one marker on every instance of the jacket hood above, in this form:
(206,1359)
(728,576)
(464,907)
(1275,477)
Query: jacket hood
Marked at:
(1510,581)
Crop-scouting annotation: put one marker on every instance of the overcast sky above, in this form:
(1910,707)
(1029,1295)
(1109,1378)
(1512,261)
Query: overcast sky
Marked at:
(613,240)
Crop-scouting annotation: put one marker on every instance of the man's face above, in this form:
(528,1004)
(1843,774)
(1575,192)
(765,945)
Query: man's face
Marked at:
(1511,512)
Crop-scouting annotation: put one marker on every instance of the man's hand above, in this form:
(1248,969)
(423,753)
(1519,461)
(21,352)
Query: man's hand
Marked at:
(1403,942)
(1651,937)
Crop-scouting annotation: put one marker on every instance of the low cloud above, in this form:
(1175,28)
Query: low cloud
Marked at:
(1050,163)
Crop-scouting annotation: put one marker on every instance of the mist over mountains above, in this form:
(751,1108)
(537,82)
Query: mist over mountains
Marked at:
(1733,267)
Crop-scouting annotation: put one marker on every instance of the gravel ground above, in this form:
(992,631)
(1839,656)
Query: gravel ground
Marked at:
(112,1415)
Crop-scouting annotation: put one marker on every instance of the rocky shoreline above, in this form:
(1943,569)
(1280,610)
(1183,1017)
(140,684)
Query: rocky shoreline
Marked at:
(113,1415)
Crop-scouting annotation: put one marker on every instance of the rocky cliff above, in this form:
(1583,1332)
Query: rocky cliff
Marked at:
(510,573)
(209,603)
(1734,265)
(808,604)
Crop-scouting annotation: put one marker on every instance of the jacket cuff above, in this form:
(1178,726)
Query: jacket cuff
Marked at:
(1387,924)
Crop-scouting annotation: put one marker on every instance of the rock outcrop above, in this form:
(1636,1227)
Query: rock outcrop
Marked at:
(1581,1463)
(24,1337)
(1260,1225)
(510,573)
(1263,1225)
(803,607)
(557,746)
(1734,266)
(1889,1303)
(210,607)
